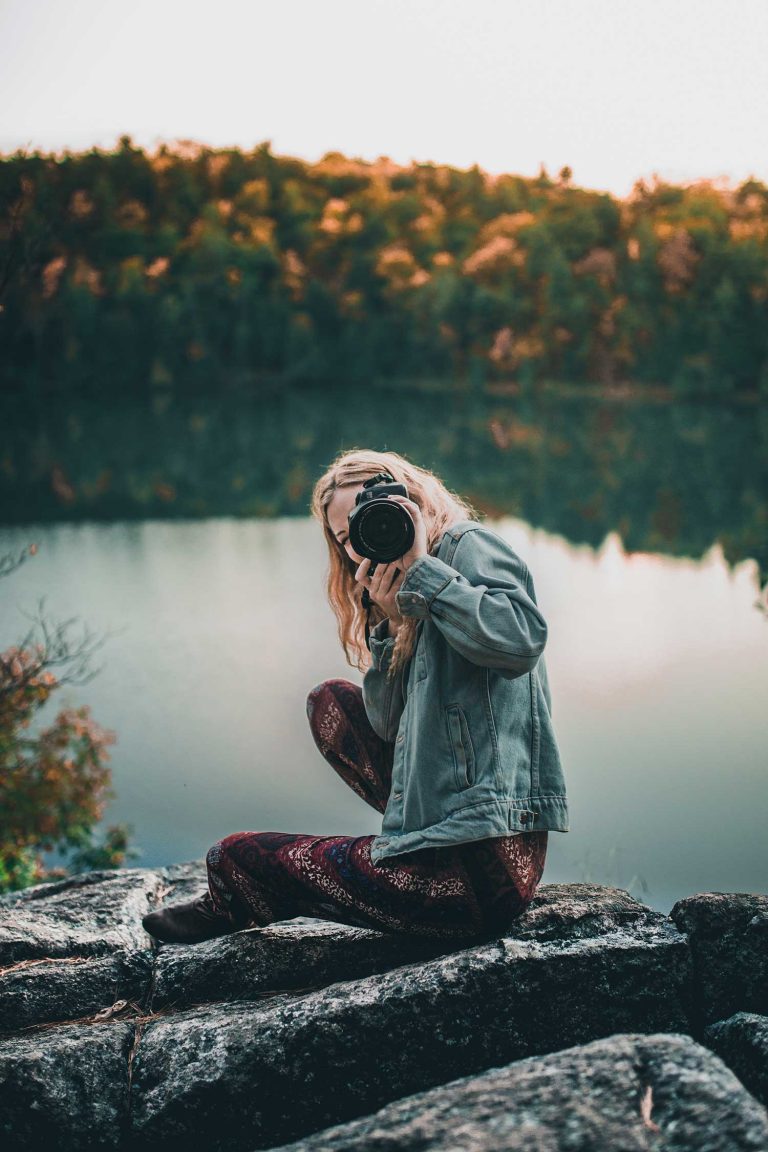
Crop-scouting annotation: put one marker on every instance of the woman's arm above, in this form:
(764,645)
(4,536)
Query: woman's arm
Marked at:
(483,603)
(383,697)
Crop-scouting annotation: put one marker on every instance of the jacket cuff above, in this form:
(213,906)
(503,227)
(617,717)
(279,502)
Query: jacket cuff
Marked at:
(424,580)
(382,646)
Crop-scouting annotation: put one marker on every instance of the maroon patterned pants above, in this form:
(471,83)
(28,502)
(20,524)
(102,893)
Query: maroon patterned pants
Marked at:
(472,890)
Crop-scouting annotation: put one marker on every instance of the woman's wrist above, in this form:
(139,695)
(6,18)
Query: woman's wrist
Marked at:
(394,628)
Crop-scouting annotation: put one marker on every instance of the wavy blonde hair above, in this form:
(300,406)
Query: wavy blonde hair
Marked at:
(439,508)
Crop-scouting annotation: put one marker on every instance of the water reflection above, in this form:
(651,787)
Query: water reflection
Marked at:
(667,478)
(658,668)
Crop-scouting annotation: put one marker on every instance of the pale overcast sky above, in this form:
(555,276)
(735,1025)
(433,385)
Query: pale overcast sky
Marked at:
(616,90)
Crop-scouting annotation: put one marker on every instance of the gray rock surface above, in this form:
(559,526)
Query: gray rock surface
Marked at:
(65,1087)
(183,882)
(288,955)
(580,911)
(92,914)
(270,1034)
(728,934)
(37,991)
(296,1062)
(627,1093)
(742,1042)
(306,953)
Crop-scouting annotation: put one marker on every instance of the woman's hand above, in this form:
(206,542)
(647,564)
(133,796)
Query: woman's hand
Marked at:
(419,547)
(387,579)
(382,588)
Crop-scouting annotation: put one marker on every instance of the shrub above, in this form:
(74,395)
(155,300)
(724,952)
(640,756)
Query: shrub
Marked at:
(54,783)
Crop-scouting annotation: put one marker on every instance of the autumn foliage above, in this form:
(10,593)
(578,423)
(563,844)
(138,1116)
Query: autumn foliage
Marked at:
(54,782)
(132,271)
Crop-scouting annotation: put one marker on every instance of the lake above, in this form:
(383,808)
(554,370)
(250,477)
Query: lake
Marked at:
(219,627)
(178,523)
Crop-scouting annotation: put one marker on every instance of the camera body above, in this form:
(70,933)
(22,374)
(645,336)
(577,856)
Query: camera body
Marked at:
(380,528)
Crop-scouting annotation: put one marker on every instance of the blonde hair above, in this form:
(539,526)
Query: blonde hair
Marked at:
(439,508)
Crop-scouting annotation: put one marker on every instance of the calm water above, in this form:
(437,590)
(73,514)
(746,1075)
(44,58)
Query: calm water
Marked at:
(658,667)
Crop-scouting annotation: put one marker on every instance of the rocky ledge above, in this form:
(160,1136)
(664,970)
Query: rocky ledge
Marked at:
(594,1023)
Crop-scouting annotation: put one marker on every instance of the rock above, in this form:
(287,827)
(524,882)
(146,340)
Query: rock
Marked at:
(305,953)
(65,1087)
(287,955)
(742,1042)
(627,1093)
(580,911)
(728,934)
(269,1034)
(182,882)
(92,914)
(35,991)
(281,1069)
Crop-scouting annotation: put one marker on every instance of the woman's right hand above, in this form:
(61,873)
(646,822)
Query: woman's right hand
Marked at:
(382,589)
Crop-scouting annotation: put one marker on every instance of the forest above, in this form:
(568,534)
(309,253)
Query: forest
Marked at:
(192,268)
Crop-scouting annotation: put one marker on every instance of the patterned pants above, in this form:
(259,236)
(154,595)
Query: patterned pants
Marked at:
(472,890)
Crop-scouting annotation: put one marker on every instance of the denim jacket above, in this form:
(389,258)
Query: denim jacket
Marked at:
(470,714)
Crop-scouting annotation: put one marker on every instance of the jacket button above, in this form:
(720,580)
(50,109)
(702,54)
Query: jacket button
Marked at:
(524,816)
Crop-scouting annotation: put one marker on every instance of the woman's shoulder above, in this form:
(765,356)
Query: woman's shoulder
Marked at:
(473,539)
(461,528)
(458,529)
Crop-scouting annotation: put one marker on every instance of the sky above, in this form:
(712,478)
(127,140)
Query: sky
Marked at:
(615,90)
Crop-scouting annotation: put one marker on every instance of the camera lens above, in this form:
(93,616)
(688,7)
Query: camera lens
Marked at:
(385,530)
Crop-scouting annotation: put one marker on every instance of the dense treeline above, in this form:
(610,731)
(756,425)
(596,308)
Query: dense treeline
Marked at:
(123,270)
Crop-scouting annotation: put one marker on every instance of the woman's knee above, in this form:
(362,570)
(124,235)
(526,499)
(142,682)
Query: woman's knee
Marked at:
(220,851)
(333,689)
(329,694)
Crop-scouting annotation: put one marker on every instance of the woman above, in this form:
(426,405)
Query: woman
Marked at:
(450,738)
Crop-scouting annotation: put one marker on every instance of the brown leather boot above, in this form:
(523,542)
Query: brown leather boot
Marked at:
(187,923)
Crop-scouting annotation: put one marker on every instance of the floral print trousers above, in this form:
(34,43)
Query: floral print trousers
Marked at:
(463,891)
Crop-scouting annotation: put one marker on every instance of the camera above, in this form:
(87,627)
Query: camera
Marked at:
(380,528)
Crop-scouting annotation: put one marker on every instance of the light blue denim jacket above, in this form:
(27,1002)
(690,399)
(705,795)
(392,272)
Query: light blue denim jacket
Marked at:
(470,713)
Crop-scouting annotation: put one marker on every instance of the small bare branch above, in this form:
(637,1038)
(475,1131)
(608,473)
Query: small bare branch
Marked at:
(49,646)
(9,563)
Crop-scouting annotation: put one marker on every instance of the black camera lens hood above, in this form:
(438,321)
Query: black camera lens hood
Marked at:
(360,540)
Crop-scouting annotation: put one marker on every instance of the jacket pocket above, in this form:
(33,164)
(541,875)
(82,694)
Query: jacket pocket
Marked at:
(461,746)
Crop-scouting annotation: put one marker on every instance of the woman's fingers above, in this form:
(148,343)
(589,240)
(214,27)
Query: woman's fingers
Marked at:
(419,547)
(381,584)
(362,574)
(383,579)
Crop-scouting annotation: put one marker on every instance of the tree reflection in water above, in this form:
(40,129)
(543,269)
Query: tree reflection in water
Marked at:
(671,478)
